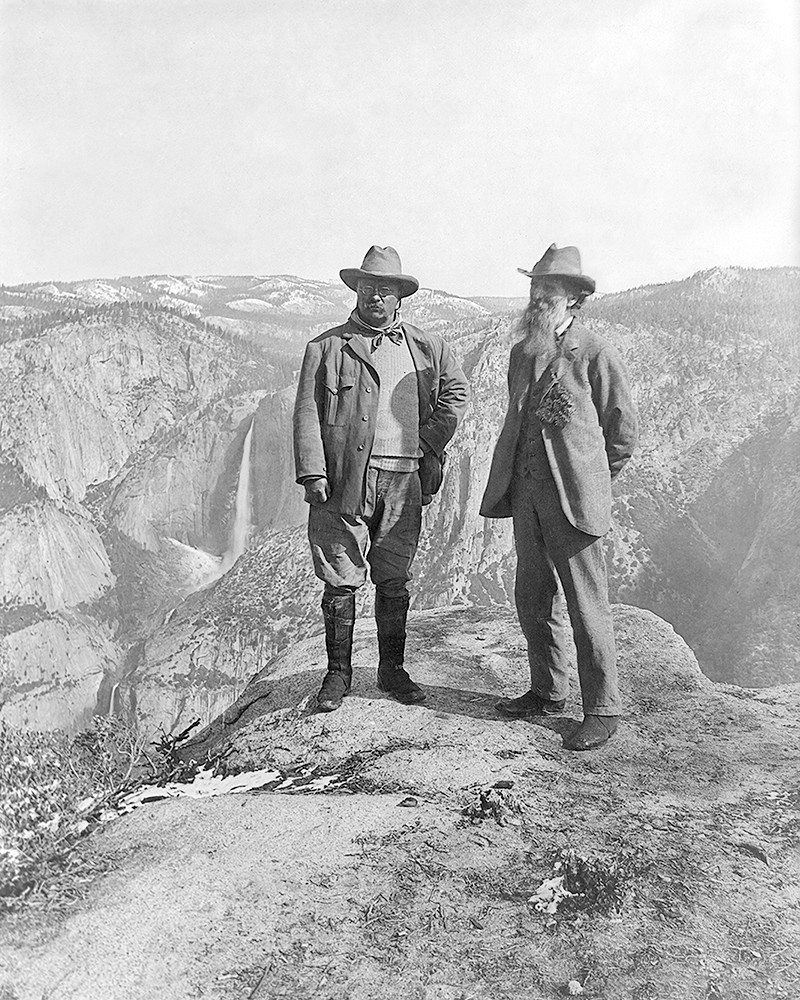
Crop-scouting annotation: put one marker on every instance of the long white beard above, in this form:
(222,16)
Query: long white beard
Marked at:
(538,325)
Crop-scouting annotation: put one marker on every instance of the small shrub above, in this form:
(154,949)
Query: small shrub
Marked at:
(580,884)
(595,883)
(52,787)
(497,803)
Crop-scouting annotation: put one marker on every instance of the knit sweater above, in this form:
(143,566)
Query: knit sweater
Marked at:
(396,445)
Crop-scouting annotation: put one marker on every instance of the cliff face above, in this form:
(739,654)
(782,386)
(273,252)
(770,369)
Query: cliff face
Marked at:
(198,660)
(735,557)
(180,488)
(52,557)
(121,434)
(277,500)
(79,401)
(52,668)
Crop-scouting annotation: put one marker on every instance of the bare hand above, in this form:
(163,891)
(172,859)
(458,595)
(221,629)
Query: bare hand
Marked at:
(317,490)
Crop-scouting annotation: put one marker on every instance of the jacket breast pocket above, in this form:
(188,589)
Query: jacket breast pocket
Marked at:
(338,403)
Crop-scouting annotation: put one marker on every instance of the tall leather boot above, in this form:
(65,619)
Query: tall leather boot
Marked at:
(390,617)
(339,615)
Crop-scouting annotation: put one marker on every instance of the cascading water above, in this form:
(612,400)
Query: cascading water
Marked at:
(242,521)
(202,568)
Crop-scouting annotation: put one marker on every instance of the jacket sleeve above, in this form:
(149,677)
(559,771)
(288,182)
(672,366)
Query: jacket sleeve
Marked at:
(615,407)
(512,362)
(309,453)
(453,396)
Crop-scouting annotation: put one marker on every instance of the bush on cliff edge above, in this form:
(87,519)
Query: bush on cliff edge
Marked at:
(52,787)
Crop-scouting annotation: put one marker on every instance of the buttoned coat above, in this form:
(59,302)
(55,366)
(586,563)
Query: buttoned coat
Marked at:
(336,408)
(591,449)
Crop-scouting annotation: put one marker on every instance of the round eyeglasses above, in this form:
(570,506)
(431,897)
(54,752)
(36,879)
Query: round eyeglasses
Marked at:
(383,290)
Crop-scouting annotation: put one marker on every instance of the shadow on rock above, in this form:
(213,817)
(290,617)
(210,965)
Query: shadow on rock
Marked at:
(464,665)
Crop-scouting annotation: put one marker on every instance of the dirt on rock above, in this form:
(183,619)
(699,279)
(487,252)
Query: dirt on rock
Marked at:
(459,855)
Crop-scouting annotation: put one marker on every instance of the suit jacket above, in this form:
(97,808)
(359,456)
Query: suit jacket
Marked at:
(337,405)
(591,450)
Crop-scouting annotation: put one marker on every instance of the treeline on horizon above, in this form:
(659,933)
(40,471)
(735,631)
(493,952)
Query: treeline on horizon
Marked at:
(755,304)
(743,304)
(126,311)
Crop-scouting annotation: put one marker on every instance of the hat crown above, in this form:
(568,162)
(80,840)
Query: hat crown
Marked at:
(555,260)
(561,262)
(382,260)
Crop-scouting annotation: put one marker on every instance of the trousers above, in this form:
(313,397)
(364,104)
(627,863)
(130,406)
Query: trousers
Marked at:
(383,539)
(550,549)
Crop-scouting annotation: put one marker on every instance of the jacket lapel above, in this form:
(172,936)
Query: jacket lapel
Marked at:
(358,347)
(572,340)
(521,381)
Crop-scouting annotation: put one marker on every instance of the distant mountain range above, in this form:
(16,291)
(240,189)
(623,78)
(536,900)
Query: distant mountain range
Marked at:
(124,409)
(267,309)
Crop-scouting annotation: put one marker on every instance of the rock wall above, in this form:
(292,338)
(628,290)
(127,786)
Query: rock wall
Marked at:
(51,671)
(277,499)
(183,489)
(197,660)
(52,556)
(121,436)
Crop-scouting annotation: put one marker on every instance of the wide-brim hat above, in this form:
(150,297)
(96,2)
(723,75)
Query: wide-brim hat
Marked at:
(561,263)
(381,264)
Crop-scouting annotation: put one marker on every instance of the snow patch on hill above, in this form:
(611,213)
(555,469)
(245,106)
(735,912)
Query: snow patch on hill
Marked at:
(251,305)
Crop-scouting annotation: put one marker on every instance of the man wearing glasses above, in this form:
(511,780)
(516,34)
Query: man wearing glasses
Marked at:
(377,402)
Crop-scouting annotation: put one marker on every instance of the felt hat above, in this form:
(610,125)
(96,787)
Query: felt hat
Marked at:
(380,264)
(561,263)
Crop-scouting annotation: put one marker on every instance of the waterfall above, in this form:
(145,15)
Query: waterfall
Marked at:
(200,568)
(241,515)
(112,699)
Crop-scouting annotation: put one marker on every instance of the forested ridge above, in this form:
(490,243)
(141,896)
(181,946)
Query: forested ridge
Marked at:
(722,304)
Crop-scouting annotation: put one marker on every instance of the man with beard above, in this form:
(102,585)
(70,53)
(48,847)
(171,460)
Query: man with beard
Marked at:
(571,427)
(377,402)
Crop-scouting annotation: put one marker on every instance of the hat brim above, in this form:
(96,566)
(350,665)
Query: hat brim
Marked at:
(352,275)
(581,280)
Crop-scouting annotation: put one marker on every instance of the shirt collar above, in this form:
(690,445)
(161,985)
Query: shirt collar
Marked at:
(564,327)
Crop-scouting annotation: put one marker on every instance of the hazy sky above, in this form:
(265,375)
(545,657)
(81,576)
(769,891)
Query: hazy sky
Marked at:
(286,136)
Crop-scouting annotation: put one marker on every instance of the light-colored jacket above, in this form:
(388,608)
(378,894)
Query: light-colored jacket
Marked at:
(591,450)
(337,405)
